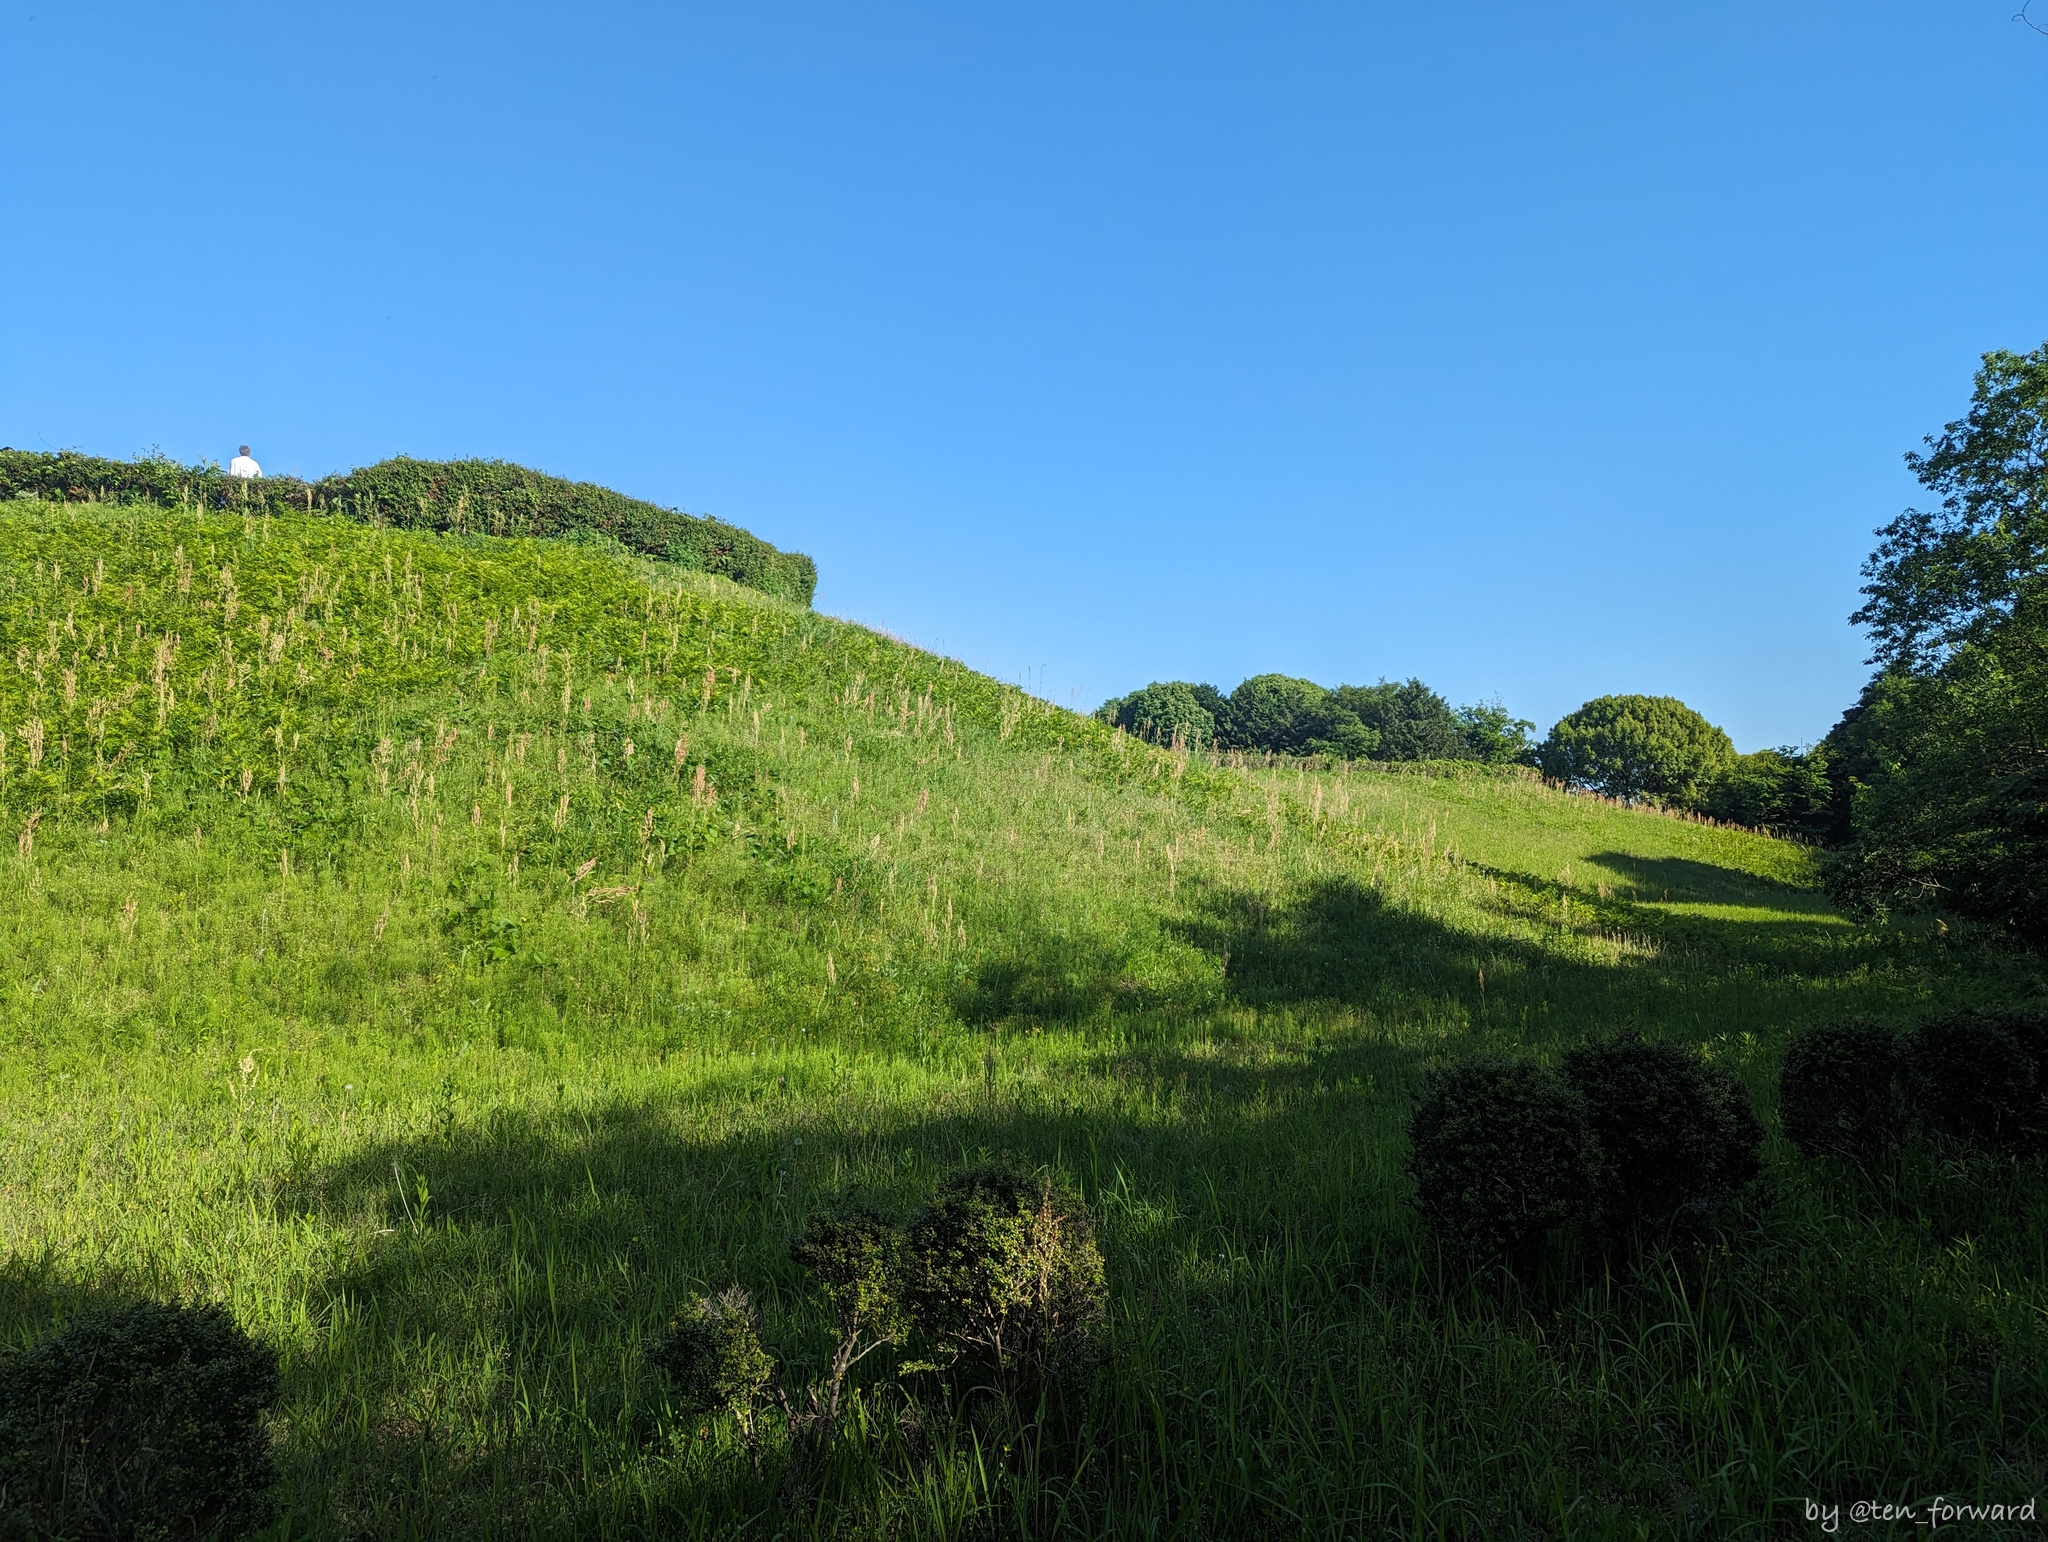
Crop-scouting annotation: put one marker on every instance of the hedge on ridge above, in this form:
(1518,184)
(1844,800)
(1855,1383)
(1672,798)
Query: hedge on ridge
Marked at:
(483,497)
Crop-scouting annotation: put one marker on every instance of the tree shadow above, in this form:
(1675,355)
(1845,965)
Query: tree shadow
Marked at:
(1681,880)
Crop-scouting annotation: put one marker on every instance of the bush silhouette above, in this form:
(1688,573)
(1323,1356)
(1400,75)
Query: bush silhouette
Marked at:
(1977,1075)
(1838,1090)
(1501,1152)
(1005,1282)
(713,1358)
(1677,1135)
(140,1423)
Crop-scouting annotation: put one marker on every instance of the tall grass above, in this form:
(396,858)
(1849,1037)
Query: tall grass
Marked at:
(362,978)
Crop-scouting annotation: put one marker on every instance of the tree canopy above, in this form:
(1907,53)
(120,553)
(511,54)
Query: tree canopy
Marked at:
(1639,747)
(1938,580)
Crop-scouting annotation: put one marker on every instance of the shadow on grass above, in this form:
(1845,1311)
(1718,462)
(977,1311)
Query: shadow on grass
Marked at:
(1680,880)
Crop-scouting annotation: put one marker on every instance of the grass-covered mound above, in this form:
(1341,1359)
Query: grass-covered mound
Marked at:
(488,497)
(462,957)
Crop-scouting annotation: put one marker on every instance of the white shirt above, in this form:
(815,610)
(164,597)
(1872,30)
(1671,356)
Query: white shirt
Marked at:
(243,466)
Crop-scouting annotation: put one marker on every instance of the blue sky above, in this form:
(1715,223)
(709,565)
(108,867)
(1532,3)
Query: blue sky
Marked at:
(1539,351)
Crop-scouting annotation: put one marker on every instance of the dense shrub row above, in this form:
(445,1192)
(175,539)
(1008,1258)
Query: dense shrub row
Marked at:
(1288,716)
(476,496)
(1975,1077)
(1631,1138)
(1634,1139)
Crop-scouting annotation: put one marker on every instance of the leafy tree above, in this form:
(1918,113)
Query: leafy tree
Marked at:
(1165,711)
(1940,771)
(1292,717)
(1495,737)
(1787,791)
(1947,775)
(1937,581)
(1412,721)
(1637,747)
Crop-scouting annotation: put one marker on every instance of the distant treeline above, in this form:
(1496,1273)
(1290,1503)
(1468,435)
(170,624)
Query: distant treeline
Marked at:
(1289,716)
(485,497)
(1641,749)
(1931,792)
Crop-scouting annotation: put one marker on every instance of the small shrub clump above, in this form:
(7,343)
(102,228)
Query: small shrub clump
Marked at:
(1501,1152)
(713,1358)
(1979,1075)
(1677,1136)
(1005,1282)
(1838,1090)
(141,1423)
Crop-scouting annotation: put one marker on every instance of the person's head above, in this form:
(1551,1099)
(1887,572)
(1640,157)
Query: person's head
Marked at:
(243,451)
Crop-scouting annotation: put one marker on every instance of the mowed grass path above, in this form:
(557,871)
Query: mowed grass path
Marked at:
(458,955)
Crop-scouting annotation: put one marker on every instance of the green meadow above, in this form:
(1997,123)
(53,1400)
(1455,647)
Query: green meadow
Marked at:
(457,954)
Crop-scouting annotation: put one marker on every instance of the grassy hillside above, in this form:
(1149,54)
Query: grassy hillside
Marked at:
(490,497)
(456,953)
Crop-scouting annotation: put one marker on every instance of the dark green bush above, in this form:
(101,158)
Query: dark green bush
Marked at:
(1005,1283)
(464,496)
(1291,717)
(1163,712)
(1410,721)
(1838,1090)
(1677,1136)
(713,1358)
(1501,1152)
(1785,791)
(1980,1075)
(141,1423)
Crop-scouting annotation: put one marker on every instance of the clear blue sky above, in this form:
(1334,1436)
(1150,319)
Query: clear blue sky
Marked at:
(1538,350)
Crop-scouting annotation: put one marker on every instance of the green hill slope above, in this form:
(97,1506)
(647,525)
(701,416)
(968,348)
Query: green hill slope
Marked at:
(456,953)
(476,497)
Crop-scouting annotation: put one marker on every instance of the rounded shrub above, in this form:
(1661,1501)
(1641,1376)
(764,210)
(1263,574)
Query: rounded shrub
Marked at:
(142,1422)
(713,1358)
(1633,747)
(1501,1152)
(1677,1136)
(1005,1282)
(1980,1075)
(1838,1090)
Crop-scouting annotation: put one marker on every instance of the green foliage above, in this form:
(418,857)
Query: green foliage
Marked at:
(1980,1076)
(1501,1151)
(1947,781)
(1938,581)
(1164,713)
(1006,1284)
(141,1423)
(1677,1136)
(460,497)
(856,1258)
(1786,791)
(1638,747)
(713,1358)
(1838,1089)
(1292,717)
(1496,737)
(1410,720)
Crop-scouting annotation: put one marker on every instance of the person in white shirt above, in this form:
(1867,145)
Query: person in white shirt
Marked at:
(243,466)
